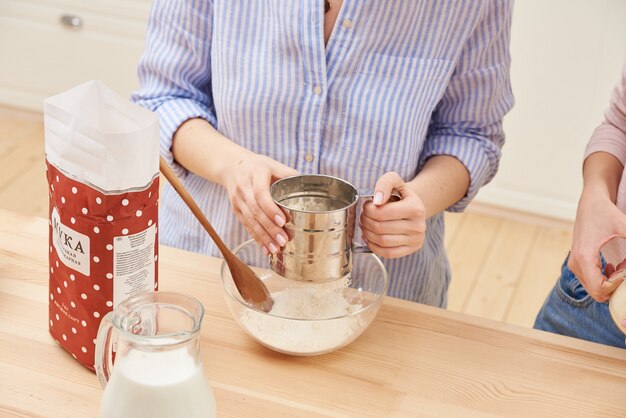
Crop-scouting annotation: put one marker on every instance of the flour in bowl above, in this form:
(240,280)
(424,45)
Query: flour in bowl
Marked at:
(307,319)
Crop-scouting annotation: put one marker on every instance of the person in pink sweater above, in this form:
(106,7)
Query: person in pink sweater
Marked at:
(577,305)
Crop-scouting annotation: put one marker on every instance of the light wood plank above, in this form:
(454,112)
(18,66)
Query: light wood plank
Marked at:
(7,145)
(540,273)
(498,278)
(18,125)
(28,192)
(20,154)
(467,255)
(453,222)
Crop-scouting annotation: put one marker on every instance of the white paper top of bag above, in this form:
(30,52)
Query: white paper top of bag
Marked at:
(98,137)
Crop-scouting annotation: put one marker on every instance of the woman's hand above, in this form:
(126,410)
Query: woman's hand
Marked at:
(598,220)
(247,177)
(248,182)
(393,229)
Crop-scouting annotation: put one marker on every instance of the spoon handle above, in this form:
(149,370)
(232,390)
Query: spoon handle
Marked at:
(195,209)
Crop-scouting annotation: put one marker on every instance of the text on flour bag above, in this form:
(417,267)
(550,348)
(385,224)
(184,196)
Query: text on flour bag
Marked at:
(102,168)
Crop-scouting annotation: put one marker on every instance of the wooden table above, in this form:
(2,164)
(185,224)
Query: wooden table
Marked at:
(413,361)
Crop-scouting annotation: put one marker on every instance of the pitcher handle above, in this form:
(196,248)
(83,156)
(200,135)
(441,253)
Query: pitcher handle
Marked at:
(358,247)
(104,346)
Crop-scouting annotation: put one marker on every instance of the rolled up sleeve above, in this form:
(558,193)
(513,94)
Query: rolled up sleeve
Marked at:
(174,71)
(467,122)
(610,135)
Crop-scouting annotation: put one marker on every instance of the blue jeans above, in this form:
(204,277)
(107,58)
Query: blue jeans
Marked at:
(570,310)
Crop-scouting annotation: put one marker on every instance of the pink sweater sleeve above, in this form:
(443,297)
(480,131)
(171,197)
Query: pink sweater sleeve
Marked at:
(610,136)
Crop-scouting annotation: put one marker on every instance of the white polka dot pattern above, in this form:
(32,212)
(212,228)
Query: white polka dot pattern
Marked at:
(77,301)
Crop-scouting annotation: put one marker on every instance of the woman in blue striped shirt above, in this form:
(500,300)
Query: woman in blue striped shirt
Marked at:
(405,95)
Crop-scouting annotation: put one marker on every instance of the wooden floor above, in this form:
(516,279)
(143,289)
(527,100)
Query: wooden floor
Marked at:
(503,264)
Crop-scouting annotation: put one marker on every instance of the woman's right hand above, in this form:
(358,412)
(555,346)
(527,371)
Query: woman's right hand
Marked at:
(248,184)
(247,177)
(598,221)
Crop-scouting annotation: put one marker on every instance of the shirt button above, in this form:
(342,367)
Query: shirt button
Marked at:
(347,23)
(317,90)
(308,157)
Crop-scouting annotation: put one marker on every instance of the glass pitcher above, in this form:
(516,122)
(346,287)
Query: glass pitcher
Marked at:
(158,367)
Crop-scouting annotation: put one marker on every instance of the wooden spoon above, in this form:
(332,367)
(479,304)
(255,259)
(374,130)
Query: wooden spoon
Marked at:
(250,287)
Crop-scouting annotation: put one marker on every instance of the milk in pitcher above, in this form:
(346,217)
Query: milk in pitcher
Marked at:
(157,384)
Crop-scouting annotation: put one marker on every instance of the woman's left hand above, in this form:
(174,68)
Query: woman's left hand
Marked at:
(393,229)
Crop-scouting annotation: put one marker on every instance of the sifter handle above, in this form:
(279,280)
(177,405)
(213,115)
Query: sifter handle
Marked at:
(359,248)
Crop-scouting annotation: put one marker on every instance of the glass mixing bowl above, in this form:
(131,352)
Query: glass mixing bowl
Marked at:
(617,306)
(308,318)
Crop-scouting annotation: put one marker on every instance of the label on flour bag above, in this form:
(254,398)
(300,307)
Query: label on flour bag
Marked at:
(133,264)
(72,247)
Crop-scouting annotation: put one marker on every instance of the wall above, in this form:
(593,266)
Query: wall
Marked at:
(40,56)
(567,56)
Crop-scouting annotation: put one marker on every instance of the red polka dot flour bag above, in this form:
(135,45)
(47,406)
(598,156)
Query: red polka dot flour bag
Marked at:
(102,156)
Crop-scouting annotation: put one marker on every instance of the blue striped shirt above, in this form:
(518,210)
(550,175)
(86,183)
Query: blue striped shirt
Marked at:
(398,82)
